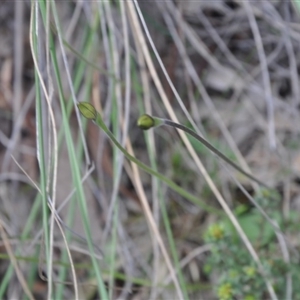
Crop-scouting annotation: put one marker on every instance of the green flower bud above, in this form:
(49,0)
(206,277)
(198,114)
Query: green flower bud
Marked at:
(146,122)
(87,110)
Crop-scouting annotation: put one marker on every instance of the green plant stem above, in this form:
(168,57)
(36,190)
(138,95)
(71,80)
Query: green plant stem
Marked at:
(212,148)
(147,169)
(146,122)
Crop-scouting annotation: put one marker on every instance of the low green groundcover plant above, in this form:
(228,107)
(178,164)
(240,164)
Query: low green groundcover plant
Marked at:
(237,275)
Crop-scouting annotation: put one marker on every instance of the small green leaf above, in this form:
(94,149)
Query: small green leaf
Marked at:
(146,122)
(87,110)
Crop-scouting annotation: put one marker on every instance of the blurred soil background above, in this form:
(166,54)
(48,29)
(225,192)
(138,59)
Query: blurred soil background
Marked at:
(236,66)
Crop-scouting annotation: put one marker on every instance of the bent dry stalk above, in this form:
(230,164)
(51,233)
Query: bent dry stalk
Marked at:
(146,122)
(89,112)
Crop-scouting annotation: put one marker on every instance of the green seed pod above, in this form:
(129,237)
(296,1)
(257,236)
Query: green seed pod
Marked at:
(146,122)
(87,110)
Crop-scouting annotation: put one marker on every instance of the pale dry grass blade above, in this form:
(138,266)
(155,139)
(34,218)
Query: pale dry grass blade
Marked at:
(147,210)
(10,143)
(265,73)
(35,16)
(14,261)
(194,253)
(54,153)
(208,101)
(39,234)
(152,149)
(52,149)
(116,70)
(191,150)
(69,79)
(291,57)
(125,124)
(18,82)
(59,224)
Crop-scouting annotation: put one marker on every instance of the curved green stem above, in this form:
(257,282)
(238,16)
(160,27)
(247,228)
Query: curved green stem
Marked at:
(146,122)
(214,150)
(89,111)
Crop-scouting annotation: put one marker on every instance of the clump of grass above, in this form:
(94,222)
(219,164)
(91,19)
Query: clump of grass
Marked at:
(76,73)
